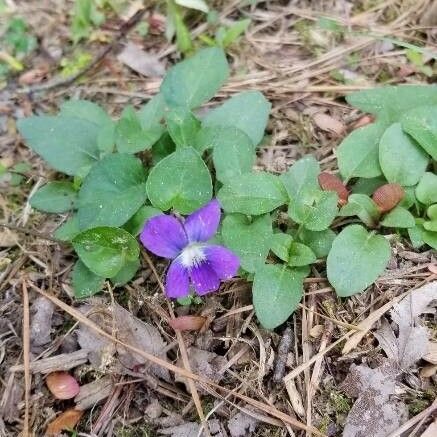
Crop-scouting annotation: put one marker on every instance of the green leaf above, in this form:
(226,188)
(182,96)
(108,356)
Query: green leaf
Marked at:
(409,198)
(316,210)
(362,206)
(17,172)
(130,137)
(253,194)
(421,124)
(163,147)
(126,274)
(247,111)
(85,282)
(85,110)
(151,114)
(416,235)
(181,181)
(356,259)
(358,153)
(91,112)
(112,192)
(66,143)
(281,244)
(430,238)
(105,251)
(250,241)
(200,5)
(232,154)
(182,126)
(68,230)
(300,255)
(301,178)
(368,185)
(54,197)
(194,81)
(277,292)
(426,190)
(402,160)
(320,242)
(232,33)
(398,218)
(136,223)
(430,225)
(432,212)
(392,102)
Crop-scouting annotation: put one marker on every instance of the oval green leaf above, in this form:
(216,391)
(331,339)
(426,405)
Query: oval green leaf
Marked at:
(105,251)
(402,160)
(356,260)
(181,181)
(250,241)
(55,197)
(85,282)
(112,191)
(426,190)
(277,291)
(253,194)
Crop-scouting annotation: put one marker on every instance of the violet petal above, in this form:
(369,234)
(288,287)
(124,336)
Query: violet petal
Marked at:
(177,280)
(164,235)
(223,261)
(204,278)
(202,224)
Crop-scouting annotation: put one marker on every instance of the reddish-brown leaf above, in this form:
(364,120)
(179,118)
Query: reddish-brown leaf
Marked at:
(330,182)
(188,323)
(65,421)
(388,196)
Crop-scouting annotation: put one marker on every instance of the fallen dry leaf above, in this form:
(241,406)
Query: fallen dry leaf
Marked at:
(329,124)
(187,323)
(375,413)
(65,421)
(431,353)
(127,328)
(35,75)
(140,61)
(41,321)
(207,364)
(242,424)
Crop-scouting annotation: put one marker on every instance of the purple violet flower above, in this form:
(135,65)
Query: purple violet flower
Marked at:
(195,260)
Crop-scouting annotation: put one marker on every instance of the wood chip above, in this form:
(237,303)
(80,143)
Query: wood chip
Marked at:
(140,61)
(65,421)
(329,124)
(431,355)
(93,393)
(56,363)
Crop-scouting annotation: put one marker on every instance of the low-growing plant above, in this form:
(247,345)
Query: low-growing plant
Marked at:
(121,176)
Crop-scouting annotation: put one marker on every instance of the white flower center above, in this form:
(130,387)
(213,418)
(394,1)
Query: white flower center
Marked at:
(192,256)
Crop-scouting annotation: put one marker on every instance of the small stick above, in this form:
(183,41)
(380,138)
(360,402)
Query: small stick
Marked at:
(26,358)
(283,349)
(30,232)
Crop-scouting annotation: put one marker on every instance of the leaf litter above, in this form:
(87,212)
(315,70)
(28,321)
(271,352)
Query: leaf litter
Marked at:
(376,411)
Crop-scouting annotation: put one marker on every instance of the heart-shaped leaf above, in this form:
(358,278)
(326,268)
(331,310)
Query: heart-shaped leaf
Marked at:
(358,153)
(112,192)
(421,124)
(356,260)
(401,159)
(363,207)
(181,181)
(398,218)
(250,241)
(253,194)
(300,255)
(195,80)
(247,111)
(105,251)
(320,242)
(426,190)
(68,144)
(281,244)
(182,126)
(55,197)
(85,282)
(277,291)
